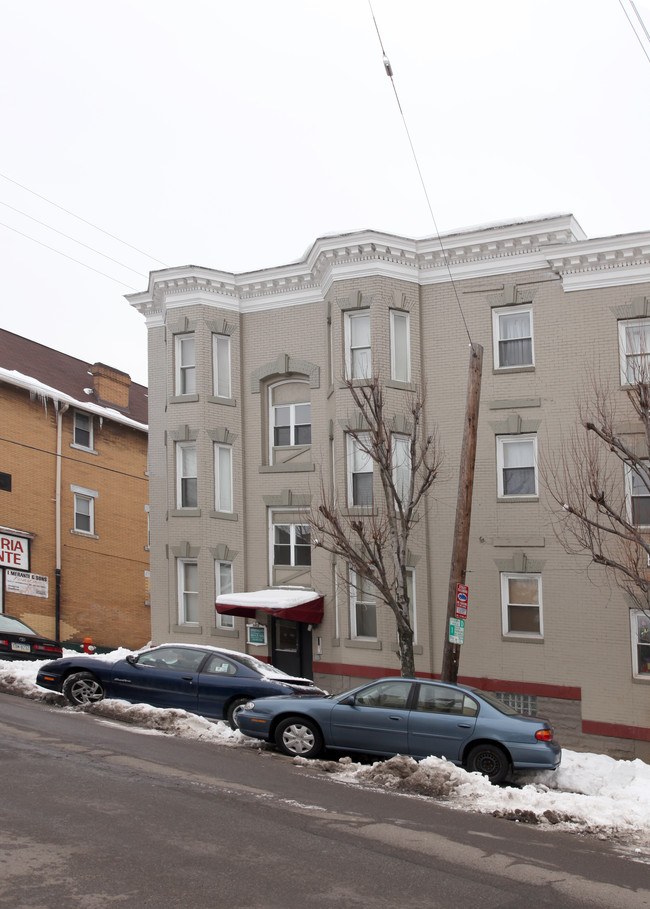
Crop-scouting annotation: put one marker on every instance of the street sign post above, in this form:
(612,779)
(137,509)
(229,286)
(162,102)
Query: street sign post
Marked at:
(462,600)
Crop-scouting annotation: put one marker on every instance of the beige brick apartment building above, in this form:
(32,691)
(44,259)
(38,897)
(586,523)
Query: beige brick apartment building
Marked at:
(73,496)
(248,415)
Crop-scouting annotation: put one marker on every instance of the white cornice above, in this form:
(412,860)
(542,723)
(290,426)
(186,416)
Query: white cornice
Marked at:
(555,241)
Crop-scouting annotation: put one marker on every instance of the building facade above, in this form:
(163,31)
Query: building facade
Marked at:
(74,554)
(248,424)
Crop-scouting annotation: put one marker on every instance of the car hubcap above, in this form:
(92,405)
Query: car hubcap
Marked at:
(487,764)
(86,692)
(298,739)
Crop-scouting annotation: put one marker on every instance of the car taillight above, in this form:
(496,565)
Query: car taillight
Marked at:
(6,643)
(47,647)
(544,735)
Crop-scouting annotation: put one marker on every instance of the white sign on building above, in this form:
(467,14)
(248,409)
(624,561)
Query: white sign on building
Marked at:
(31,585)
(14,551)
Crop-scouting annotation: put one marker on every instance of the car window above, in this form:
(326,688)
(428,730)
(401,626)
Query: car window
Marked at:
(217,665)
(9,624)
(390,695)
(181,659)
(438,699)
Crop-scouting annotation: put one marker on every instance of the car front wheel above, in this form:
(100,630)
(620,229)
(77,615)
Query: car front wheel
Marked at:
(489,760)
(83,688)
(233,710)
(298,736)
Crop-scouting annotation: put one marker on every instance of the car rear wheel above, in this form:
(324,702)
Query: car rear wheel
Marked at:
(489,760)
(233,710)
(83,688)
(298,736)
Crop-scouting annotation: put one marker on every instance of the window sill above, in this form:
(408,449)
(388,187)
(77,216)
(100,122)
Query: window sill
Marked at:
(227,402)
(362,644)
(187,629)
(506,370)
(402,386)
(522,638)
(83,448)
(183,399)
(357,511)
(85,533)
(289,467)
(224,515)
(185,512)
(506,499)
(224,632)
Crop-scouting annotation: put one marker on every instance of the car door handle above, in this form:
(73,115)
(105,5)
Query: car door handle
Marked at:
(188,678)
(398,718)
(464,725)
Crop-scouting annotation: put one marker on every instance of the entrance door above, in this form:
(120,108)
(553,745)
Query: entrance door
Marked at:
(291,648)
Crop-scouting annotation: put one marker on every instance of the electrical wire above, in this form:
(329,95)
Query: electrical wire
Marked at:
(79,218)
(66,256)
(638,37)
(122,473)
(68,237)
(389,73)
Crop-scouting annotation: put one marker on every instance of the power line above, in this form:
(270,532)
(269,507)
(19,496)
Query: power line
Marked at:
(79,218)
(66,256)
(638,37)
(122,473)
(68,237)
(389,73)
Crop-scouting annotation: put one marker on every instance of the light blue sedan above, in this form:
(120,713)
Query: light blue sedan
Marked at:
(473,729)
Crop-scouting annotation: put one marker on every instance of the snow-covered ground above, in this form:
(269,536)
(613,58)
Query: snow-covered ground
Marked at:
(590,793)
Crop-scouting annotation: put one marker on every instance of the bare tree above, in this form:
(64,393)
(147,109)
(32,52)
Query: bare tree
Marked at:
(374,546)
(599,481)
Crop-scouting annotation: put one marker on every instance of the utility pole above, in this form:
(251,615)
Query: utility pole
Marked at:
(451,651)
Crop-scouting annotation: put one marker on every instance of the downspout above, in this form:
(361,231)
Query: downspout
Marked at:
(57,602)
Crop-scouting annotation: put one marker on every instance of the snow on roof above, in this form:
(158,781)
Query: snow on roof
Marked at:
(277,598)
(45,392)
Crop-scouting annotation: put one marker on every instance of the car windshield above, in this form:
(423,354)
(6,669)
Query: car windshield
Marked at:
(15,626)
(494,701)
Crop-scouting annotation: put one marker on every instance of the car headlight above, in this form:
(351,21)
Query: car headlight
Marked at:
(249,705)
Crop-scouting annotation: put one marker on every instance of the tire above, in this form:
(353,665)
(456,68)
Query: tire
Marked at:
(491,761)
(299,736)
(233,710)
(83,688)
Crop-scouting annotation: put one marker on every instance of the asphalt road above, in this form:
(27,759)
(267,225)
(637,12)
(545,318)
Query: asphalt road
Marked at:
(94,814)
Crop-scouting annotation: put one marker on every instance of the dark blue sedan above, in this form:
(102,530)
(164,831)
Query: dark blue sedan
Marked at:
(206,680)
(470,728)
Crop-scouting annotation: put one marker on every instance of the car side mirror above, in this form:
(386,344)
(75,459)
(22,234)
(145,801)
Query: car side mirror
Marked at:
(131,658)
(348,701)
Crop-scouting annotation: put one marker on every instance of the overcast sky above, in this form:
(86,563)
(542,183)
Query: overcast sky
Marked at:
(233,133)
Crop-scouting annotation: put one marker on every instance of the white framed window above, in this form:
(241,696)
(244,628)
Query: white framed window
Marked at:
(357,345)
(223,477)
(186,475)
(634,346)
(223,584)
(291,424)
(521,604)
(410,589)
(640,628)
(83,430)
(291,544)
(363,608)
(84,509)
(517,465)
(512,332)
(402,466)
(638,494)
(185,361)
(221,366)
(400,346)
(188,591)
(359,472)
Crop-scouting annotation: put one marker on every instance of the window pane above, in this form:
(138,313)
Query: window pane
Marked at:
(189,495)
(361,367)
(516,353)
(400,326)
(362,490)
(360,331)
(224,462)
(519,482)
(303,435)
(222,366)
(188,454)
(82,514)
(361,460)
(366,616)
(303,413)
(519,454)
(303,535)
(225,577)
(190,591)
(82,430)
(523,591)
(524,619)
(514,325)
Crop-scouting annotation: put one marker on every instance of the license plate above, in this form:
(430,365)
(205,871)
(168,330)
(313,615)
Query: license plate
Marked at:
(23,648)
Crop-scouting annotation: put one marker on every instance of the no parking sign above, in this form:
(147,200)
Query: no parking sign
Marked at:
(462,601)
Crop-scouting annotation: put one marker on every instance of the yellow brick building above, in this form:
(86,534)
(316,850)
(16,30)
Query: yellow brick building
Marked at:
(74,554)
